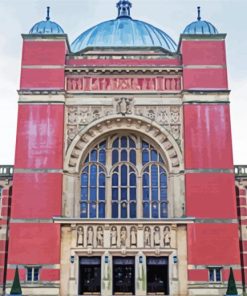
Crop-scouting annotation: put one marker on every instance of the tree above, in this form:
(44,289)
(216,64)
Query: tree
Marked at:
(231,289)
(16,287)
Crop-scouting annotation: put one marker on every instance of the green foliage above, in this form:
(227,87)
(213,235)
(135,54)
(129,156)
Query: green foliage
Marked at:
(16,287)
(231,289)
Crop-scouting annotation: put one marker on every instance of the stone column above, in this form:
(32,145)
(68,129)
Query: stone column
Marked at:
(140,275)
(106,274)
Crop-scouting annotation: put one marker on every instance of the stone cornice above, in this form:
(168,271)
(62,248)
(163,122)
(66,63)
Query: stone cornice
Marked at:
(124,70)
(181,221)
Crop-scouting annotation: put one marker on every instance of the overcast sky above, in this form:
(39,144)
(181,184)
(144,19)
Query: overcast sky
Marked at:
(75,16)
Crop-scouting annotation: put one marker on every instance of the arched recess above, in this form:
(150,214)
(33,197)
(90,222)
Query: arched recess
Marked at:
(158,135)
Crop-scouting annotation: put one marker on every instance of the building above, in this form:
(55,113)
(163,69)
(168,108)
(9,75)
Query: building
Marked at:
(124,179)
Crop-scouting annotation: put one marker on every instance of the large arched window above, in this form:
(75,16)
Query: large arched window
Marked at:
(121,175)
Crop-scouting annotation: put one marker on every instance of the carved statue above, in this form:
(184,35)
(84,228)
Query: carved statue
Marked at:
(123,106)
(90,236)
(156,236)
(114,236)
(147,237)
(167,237)
(133,237)
(80,236)
(123,236)
(100,237)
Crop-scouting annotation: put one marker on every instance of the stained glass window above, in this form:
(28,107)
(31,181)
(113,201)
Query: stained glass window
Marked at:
(130,159)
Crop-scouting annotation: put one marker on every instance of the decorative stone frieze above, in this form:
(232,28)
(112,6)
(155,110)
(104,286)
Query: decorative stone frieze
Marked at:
(169,83)
(168,117)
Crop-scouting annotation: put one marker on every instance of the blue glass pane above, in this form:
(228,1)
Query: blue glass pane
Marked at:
(93,175)
(84,180)
(132,143)
(115,193)
(146,210)
(115,143)
(160,159)
(124,210)
(154,155)
(155,210)
(114,156)
(84,193)
(145,180)
(154,175)
(145,144)
(133,210)
(102,180)
(85,170)
(92,210)
(115,180)
(102,145)
(163,210)
(101,193)
(124,155)
(211,275)
(132,179)
(124,175)
(101,210)
(155,194)
(132,194)
(145,156)
(123,194)
(87,159)
(133,157)
(114,210)
(124,142)
(93,194)
(163,194)
(145,193)
(93,156)
(218,275)
(83,210)
(102,156)
(163,180)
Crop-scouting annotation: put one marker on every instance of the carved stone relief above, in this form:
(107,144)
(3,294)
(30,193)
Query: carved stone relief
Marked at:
(124,237)
(93,84)
(167,116)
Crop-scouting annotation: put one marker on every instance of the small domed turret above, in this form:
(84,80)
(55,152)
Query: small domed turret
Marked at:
(200,27)
(46,27)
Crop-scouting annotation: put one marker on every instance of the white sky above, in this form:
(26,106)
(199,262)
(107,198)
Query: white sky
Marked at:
(75,16)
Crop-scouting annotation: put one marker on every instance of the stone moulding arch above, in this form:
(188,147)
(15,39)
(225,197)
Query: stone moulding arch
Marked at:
(138,124)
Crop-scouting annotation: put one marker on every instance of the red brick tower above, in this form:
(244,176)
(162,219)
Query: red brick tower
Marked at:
(35,240)
(209,176)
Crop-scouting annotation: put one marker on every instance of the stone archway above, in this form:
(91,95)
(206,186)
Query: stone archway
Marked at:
(158,134)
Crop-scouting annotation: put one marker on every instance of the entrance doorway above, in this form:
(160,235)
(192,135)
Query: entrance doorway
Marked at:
(157,275)
(124,275)
(89,275)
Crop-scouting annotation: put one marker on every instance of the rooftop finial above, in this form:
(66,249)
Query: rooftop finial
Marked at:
(48,13)
(199,13)
(124,8)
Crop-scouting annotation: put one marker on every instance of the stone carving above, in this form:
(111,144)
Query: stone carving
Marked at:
(108,84)
(123,106)
(147,237)
(167,237)
(133,236)
(80,236)
(100,237)
(123,236)
(114,236)
(167,116)
(156,236)
(90,236)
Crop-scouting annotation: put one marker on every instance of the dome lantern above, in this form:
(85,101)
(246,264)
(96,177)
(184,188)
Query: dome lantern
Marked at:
(46,27)
(200,27)
(124,7)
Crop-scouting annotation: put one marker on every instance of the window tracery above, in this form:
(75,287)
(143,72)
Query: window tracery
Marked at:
(133,174)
